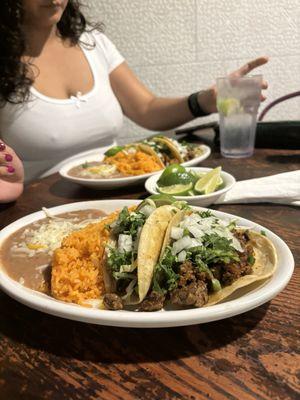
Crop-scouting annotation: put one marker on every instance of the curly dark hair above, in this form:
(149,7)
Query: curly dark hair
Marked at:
(16,77)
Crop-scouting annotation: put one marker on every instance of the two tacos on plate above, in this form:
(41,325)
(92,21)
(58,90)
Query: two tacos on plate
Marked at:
(170,254)
(166,151)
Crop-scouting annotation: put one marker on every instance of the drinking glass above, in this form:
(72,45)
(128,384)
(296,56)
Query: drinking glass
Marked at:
(238,100)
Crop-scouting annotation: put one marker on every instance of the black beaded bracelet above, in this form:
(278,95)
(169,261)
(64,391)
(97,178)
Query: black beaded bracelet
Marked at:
(195,107)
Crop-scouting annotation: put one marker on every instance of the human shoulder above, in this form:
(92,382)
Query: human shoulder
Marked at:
(101,42)
(97,38)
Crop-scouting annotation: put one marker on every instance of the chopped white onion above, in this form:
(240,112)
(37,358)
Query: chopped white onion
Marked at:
(196,230)
(237,245)
(147,210)
(190,220)
(181,256)
(176,233)
(181,244)
(194,243)
(124,243)
(131,150)
(127,268)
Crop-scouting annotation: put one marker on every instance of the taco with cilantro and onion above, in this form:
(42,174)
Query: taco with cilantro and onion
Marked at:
(177,152)
(205,259)
(136,238)
(158,147)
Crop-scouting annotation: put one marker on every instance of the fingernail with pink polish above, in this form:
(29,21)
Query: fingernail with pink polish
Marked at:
(8,157)
(10,169)
(2,146)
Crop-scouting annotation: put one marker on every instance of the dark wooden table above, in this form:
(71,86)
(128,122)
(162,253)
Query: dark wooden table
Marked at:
(251,356)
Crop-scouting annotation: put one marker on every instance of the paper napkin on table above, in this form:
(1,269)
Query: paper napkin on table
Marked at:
(281,188)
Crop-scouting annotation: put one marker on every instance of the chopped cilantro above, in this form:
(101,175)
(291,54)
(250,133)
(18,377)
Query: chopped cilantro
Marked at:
(165,278)
(205,214)
(231,225)
(251,259)
(186,232)
(217,249)
(128,223)
(115,261)
(117,258)
(263,233)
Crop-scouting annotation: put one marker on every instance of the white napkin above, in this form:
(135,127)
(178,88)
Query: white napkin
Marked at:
(281,188)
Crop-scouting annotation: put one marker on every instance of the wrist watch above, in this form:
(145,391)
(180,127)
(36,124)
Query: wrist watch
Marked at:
(195,107)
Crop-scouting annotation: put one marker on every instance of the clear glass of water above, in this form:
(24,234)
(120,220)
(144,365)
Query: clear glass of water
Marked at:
(238,100)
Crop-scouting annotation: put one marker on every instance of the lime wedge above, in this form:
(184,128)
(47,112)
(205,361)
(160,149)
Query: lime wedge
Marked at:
(113,151)
(228,106)
(176,190)
(209,182)
(170,175)
(174,174)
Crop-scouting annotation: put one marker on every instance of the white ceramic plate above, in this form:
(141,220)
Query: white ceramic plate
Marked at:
(199,200)
(116,183)
(253,296)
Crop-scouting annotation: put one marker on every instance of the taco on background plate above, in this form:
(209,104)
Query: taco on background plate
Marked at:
(180,151)
(160,148)
(204,259)
(132,252)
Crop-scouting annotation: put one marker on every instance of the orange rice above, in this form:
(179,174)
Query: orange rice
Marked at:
(78,264)
(137,163)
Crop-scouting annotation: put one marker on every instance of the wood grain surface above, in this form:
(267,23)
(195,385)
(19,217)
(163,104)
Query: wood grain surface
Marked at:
(251,356)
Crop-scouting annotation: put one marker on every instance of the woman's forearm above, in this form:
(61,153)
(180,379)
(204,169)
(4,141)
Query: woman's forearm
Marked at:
(152,112)
(165,113)
(169,113)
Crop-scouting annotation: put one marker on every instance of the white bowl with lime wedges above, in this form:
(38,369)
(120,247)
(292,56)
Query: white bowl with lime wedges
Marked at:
(196,185)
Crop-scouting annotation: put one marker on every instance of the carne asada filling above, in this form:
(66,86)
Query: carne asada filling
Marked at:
(205,254)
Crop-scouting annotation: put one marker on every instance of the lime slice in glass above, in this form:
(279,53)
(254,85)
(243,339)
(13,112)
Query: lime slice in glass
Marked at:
(228,106)
(209,182)
(176,190)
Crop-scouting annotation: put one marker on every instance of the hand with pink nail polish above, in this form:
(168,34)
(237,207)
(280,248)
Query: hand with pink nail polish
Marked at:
(11,174)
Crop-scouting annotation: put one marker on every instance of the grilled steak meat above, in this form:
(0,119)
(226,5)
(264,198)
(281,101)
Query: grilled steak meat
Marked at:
(112,301)
(194,294)
(228,273)
(191,289)
(153,302)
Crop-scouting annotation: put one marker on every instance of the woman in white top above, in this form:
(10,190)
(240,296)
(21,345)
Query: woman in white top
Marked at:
(64,88)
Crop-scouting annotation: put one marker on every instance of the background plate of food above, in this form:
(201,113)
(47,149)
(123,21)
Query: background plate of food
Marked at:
(136,258)
(196,185)
(131,164)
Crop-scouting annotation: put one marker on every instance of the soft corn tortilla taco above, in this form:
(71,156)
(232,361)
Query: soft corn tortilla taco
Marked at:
(204,260)
(161,149)
(263,267)
(181,151)
(133,251)
(175,151)
(150,150)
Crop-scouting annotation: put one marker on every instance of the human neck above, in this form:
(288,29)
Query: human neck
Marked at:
(37,38)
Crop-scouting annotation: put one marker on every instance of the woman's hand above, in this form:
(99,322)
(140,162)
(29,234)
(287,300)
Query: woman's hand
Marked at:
(11,174)
(208,98)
